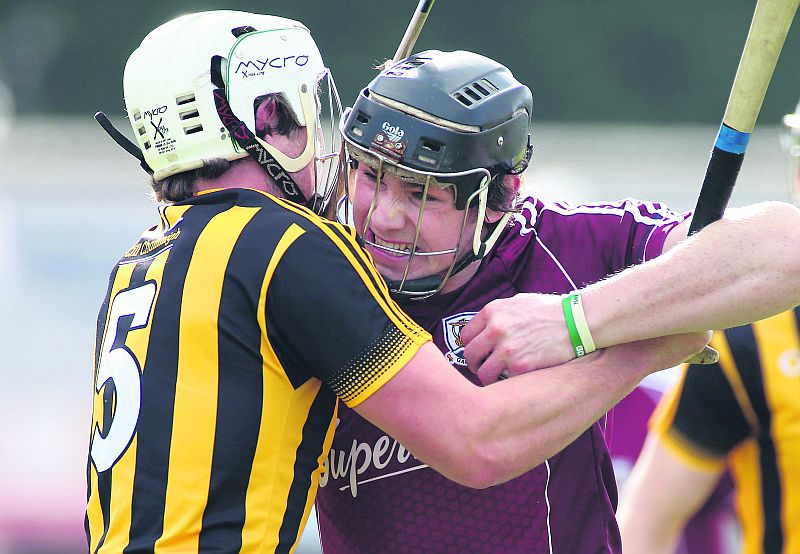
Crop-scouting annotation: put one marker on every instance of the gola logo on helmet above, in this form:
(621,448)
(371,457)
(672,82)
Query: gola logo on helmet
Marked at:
(252,68)
(394,132)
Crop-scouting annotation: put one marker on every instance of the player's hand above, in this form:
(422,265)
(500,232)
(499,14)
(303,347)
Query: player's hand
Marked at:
(516,335)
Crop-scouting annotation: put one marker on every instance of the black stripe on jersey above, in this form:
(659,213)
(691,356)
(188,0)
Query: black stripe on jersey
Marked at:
(103,316)
(104,479)
(239,393)
(745,352)
(310,448)
(100,332)
(797,317)
(712,424)
(158,391)
(376,281)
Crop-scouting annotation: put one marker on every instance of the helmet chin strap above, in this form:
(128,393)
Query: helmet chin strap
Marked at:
(425,287)
(245,138)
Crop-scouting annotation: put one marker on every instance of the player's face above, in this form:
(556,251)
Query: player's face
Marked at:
(388,212)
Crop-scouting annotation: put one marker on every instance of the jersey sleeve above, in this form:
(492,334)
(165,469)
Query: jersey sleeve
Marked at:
(636,229)
(588,241)
(329,316)
(706,415)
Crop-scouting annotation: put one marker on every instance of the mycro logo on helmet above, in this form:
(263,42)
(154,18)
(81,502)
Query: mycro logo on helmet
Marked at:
(155,111)
(394,132)
(253,68)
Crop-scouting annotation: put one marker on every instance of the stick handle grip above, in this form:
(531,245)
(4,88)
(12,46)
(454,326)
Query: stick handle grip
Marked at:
(721,173)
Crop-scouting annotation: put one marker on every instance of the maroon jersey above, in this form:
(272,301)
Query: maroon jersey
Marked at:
(376,497)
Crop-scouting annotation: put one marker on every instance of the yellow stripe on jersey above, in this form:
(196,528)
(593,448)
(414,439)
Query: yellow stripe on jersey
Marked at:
(749,500)
(172,214)
(363,265)
(93,510)
(779,360)
(124,470)
(397,348)
(728,365)
(280,434)
(194,419)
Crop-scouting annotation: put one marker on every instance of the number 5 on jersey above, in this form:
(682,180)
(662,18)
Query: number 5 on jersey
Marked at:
(129,310)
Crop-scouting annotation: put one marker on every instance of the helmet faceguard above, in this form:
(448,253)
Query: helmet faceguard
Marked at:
(442,119)
(792,141)
(192,90)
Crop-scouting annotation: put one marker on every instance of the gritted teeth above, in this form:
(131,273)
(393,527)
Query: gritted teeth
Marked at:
(400,246)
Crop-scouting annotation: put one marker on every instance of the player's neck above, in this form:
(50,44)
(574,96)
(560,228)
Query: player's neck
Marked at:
(244,173)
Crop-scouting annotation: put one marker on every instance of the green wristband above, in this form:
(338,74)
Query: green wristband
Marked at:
(574,336)
(579,316)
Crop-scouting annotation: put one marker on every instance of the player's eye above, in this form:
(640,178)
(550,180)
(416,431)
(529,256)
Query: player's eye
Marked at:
(432,196)
(370,174)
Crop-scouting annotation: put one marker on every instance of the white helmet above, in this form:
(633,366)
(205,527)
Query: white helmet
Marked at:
(171,78)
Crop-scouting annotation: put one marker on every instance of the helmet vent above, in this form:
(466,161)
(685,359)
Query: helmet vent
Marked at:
(475,92)
(192,129)
(429,152)
(137,115)
(461,98)
(189,114)
(243,30)
(184,99)
(489,85)
(432,146)
(147,145)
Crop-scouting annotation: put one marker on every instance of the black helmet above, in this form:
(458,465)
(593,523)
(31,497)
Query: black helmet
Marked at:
(450,118)
(446,112)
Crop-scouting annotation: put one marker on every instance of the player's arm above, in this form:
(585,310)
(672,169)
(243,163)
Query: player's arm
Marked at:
(329,316)
(756,273)
(693,430)
(483,436)
(662,493)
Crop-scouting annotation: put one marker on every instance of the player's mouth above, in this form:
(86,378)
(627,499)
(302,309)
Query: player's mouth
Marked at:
(398,249)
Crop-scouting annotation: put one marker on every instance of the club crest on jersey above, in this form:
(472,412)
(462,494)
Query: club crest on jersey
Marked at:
(452,337)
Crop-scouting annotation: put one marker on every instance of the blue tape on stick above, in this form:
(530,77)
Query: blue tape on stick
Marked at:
(731,140)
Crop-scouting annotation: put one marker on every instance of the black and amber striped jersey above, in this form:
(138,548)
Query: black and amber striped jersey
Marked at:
(744,412)
(227,335)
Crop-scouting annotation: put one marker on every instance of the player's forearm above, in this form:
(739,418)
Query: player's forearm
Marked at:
(528,418)
(534,416)
(483,436)
(743,268)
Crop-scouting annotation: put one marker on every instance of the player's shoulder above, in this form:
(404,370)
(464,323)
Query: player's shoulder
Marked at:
(645,211)
(285,213)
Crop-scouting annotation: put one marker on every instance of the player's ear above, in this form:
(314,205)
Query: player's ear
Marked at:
(512,183)
(266,116)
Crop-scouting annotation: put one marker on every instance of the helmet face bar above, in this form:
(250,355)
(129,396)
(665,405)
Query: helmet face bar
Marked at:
(457,117)
(169,90)
(792,123)
(382,167)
